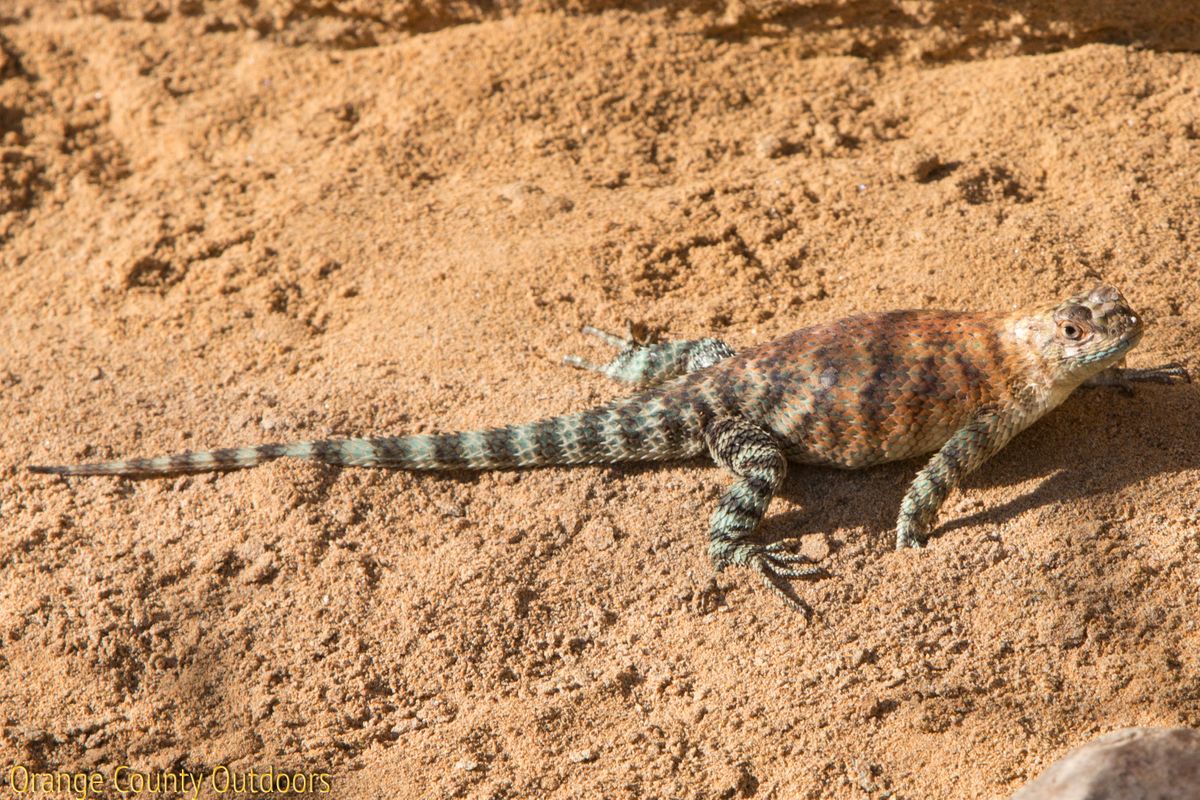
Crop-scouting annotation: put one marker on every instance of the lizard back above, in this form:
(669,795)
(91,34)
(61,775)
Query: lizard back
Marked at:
(872,388)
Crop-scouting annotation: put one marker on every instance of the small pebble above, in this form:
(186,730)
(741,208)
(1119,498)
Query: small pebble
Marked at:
(598,535)
(860,656)
(913,162)
(826,136)
(262,570)
(768,146)
(815,547)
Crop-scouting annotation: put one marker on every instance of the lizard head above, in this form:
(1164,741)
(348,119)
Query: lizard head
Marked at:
(1084,334)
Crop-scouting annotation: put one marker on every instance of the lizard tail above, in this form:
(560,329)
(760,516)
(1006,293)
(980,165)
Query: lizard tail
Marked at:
(638,428)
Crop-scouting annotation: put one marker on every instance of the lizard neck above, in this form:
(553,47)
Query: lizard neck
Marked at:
(1041,387)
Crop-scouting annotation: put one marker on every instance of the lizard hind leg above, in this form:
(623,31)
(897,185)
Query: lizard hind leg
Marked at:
(753,455)
(650,364)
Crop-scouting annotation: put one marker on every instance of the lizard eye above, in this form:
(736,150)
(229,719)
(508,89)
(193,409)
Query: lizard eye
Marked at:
(1070,330)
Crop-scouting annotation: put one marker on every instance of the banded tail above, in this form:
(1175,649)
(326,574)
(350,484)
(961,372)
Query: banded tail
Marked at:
(644,427)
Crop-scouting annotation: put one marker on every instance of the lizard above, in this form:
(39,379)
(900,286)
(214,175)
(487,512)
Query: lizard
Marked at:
(851,393)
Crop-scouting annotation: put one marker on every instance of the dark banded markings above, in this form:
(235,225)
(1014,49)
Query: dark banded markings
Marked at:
(750,507)
(671,423)
(973,379)
(391,449)
(877,390)
(327,451)
(589,435)
(996,355)
(448,450)
(631,427)
(546,442)
(820,399)
(499,447)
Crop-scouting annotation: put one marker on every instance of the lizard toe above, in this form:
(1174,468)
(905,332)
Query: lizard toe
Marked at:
(773,577)
(777,553)
(803,572)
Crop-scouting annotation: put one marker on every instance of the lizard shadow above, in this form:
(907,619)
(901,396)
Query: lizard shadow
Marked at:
(1094,445)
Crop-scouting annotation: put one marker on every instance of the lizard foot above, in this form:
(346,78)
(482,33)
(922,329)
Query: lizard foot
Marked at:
(780,560)
(622,343)
(1167,373)
(1123,379)
(906,536)
(914,525)
(774,564)
(612,340)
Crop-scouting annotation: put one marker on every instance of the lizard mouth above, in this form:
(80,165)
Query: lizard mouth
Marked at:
(1130,326)
(1129,339)
(1126,330)
(1133,335)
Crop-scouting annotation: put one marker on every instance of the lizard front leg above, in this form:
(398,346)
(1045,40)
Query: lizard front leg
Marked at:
(752,454)
(647,365)
(969,447)
(1123,378)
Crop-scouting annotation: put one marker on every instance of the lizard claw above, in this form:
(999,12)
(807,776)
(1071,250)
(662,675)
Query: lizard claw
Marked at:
(781,560)
(1122,379)
(773,564)
(776,565)
(610,339)
(1167,373)
(905,539)
(773,574)
(579,363)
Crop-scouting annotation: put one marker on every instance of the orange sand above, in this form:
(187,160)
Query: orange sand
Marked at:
(233,222)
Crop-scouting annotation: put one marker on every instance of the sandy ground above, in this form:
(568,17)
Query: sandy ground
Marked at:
(233,222)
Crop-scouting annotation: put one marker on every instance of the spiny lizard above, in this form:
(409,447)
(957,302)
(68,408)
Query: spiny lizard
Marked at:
(851,393)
